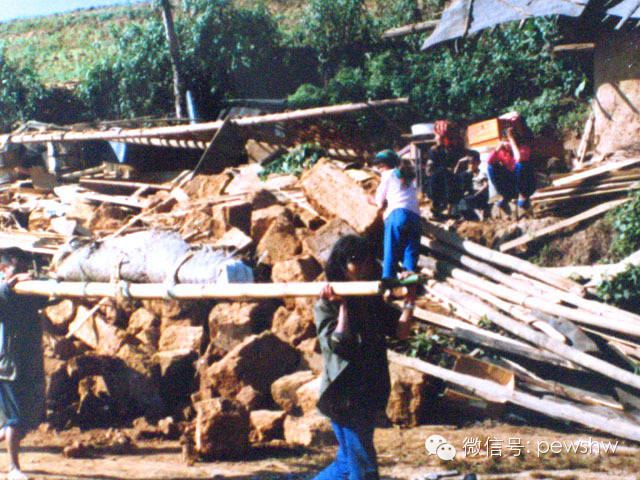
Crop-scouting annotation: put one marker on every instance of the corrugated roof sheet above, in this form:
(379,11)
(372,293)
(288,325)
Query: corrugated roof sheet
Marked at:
(625,10)
(464,17)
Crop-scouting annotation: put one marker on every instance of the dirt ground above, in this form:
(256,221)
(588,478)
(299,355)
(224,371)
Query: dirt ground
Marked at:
(492,450)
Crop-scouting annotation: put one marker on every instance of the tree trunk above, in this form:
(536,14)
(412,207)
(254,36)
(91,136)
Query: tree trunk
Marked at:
(174,52)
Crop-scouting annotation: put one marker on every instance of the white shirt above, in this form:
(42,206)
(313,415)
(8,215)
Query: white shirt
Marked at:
(396,194)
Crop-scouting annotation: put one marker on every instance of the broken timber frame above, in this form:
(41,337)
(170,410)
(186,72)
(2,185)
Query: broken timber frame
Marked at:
(127,135)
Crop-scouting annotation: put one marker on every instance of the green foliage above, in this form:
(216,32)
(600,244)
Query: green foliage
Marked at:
(623,290)
(626,223)
(295,161)
(339,30)
(20,93)
(428,346)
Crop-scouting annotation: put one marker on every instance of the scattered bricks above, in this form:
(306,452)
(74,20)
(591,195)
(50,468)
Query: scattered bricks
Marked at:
(230,323)
(292,326)
(283,390)
(320,242)
(251,398)
(309,430)
(234,214)
(308,220)
(266,425)
(95,408)
(81,211)
(300,269)
(175,337)
(332,192)
(141,377)
(262,199)
(96,333)
(145,326)
(190,311)
(408,400)
(279,242)
(307,395)
(311,356)
(177,376)
(60,390)
(206,186)
(257,361)
(61,314)
(222,429)
(262,218)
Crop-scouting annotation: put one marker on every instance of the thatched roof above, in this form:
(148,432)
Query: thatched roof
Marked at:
(464,17)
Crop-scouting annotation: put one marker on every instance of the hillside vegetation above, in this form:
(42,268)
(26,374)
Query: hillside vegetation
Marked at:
(316,52)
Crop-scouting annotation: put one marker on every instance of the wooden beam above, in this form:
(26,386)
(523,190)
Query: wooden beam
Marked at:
(488,338)
(502,259)
(543,232)
(203,128)
(490,390)
(594,172)
(574,47)
(543,341)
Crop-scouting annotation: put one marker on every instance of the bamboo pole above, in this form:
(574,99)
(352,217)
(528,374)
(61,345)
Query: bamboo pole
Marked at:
(523,331)
(411,28)
(592,212)
(190,291)
(502,259)
(492,390)
(208,127)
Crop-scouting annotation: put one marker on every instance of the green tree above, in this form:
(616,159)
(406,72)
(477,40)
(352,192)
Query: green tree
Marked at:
(20,92)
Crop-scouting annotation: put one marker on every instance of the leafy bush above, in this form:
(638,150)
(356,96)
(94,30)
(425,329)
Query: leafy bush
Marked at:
(20,92)
(623,290)
(295,161)
(626,222)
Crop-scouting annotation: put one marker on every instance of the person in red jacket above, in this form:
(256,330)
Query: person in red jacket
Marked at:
(511,172)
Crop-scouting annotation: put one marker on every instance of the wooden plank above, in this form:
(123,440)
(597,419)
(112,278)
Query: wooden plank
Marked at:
(567,391)
(593,172)
(543,341)
(487,338)
(594,193)
(502,259)
(556,227)
(581,188)
(490,390)
(123,184)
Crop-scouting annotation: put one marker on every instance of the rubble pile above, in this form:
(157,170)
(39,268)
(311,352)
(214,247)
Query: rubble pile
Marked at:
(235,373)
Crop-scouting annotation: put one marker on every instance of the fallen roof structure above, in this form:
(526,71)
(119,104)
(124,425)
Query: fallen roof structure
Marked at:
(464,17)
(286,128)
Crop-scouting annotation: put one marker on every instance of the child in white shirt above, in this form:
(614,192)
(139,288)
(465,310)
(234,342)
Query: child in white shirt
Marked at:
(397,190)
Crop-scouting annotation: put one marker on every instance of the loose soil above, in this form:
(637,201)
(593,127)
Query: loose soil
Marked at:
(505,452)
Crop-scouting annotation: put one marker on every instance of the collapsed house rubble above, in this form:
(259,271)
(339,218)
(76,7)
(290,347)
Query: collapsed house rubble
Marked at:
(147,331)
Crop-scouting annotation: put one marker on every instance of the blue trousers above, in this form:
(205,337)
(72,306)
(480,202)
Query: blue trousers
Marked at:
(509,184)
(356,457)
(401,239)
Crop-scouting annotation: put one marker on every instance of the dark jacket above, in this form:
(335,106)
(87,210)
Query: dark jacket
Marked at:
(355,375)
